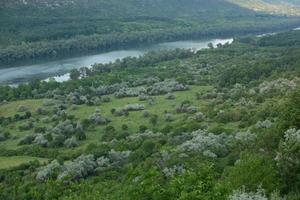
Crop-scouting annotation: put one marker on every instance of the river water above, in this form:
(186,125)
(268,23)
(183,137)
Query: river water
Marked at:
(59,69)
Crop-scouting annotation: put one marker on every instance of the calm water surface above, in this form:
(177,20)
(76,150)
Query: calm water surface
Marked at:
(59,69)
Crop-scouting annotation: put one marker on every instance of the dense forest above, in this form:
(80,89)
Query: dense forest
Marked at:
(56,29)
(221,123)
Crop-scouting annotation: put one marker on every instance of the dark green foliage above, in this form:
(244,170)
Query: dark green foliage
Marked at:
(56,31)
(109,133)
(74,74)
(229,147)
(251,171)
(290,117)
(143,128)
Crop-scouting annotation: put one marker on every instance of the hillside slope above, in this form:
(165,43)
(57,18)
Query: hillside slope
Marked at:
(281,7)
(222,123)
(50,29)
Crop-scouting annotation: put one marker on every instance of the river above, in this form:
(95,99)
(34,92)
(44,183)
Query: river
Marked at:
(59,69)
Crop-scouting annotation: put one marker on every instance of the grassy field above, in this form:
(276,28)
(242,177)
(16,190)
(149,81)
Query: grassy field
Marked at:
(14,161)
(160,107)
(11,108)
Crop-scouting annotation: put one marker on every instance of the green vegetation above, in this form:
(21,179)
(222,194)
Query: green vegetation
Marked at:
(222,123)
(55,29)
(15,161)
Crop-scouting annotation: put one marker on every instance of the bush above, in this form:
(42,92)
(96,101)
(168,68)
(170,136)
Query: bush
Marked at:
(27,140)
(154,119)
(169,117)
(98,119)
(41,140)
(166,87)
(41,111)
(49,171)
(264,124)
(58,141)
(207,143)
(26,126)
(146,114)
(105,99)
(199,117)
(253,170)
(22,108)
(109,133)
(290,115)
(4,135)
(71,142)
(185,107)
(143,128)
(243,195)
(134,107)
(124,127)
(170,96)
(288,158)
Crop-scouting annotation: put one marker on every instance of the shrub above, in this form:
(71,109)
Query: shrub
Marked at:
(71,142)
(143,97)
(49,171)
(290,115)
(41,111)
(243,195)
(58,140)
(166,87)
(185,107)
(199,117)
(39,129)
(245,138)
(27,140)
(124,127)
(26,126)
(105,99)
(118,157)
(207,143)
(22,108)
(130,92)
(109,133)
(146,114)
(175,170)
(264,124)
(143,128)
(169,117)
(170,96)
(4,135)
(288,158)
(134,107)
(98,119)
(81,167)
(253,170)
(154,119)
(112,111)
(41,140)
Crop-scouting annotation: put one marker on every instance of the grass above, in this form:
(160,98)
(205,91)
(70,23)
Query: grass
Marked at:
(136,119)
(133,121)
(11,108)
(14,161)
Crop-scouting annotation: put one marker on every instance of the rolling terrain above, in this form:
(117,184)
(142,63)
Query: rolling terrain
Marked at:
(56,29)
(222,123)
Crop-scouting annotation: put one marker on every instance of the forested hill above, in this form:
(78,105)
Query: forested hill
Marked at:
(39,29)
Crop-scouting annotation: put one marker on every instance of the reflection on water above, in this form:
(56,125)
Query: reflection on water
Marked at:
(59,69)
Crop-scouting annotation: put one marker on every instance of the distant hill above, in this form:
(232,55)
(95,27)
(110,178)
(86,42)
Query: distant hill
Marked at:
(32,29)
(281,7)
(129,8)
